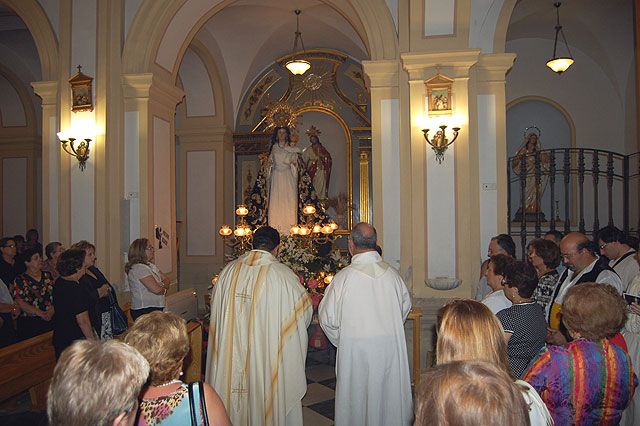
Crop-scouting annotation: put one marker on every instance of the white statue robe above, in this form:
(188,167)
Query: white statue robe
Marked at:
(363,313)
(283,189)
(258,341)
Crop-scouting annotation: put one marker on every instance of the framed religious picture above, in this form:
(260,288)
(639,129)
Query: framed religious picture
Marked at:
(439,95)
(81,97)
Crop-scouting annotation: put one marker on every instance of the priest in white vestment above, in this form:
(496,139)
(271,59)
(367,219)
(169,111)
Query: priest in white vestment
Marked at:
(258,337)
(363,314)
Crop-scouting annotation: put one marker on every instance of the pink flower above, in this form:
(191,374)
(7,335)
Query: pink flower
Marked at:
(315,298)
(301,278)
(312,284)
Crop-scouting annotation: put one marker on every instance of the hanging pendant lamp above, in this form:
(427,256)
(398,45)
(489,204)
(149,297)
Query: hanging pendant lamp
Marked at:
(297,66)
(562,63)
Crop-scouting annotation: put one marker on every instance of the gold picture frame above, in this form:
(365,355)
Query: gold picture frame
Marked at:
(81,94)
(439,95)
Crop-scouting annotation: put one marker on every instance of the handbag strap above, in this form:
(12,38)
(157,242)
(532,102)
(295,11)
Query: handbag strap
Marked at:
(203,404)
(192,407)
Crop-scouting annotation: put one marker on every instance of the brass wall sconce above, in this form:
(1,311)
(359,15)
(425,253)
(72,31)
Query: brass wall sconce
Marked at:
(80,152)
(439,143)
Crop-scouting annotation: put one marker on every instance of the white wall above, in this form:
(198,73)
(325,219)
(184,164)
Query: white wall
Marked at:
(585,91)
(14,196)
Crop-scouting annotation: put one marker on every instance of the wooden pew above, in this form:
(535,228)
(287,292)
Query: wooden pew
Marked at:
(28,365)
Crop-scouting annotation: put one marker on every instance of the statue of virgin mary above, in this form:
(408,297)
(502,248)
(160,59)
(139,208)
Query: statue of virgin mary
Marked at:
(283,187)
(533,189)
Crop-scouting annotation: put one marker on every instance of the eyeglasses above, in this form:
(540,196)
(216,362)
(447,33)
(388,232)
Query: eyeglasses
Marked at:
(150,248)
(10,246)
(603,246)
(569,256)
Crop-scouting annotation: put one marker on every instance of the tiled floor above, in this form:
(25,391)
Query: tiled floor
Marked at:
(318,403)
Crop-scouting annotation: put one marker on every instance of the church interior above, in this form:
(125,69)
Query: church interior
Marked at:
(178,99)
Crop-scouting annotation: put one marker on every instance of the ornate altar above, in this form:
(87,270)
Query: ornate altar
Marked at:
(332,96)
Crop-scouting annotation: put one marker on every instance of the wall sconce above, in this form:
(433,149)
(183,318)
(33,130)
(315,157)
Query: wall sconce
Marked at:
(440,143)
(81,152)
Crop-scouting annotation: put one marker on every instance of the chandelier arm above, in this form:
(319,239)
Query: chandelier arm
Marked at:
(73,148)
(455,136)
(565,43)
(555,43)
(64,146)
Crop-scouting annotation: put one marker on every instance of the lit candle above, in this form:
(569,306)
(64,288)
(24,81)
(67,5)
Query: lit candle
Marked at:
(242,210)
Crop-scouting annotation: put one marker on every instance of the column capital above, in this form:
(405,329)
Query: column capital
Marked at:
(456,64)
(382,73)
(47,91)
(493,67)
(148,86)
(208,134)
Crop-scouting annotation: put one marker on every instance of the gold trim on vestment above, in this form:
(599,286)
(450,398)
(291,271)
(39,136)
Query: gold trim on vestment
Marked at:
(287,329)
(231,317)
(260,281)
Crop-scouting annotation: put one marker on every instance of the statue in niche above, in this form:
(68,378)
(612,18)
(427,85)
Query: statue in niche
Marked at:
(282,187)
(317,160)
(528,152)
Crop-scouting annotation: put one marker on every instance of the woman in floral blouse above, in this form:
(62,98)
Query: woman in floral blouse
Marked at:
(33,292)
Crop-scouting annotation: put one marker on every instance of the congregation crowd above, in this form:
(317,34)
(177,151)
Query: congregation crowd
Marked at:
(549,339)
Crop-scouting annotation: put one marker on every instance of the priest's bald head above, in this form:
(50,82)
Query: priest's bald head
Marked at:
(363,238)
(266,238)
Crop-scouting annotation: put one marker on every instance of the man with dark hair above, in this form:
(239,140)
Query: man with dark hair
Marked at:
(579,255)
(258,337)
(554,235)
(614,245)
(500,244)
(363,313)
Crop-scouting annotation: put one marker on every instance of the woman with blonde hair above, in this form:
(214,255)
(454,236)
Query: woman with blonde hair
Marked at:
(147,283)
(162,339)
(467,330)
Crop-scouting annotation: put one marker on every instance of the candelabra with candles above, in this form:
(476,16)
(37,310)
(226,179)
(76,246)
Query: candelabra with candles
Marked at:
(242,234)
(314,233)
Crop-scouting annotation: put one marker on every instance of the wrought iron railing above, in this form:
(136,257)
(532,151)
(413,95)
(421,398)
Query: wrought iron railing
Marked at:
(575,186)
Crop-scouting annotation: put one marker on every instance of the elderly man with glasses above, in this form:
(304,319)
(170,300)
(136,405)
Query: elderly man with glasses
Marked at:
(580,256)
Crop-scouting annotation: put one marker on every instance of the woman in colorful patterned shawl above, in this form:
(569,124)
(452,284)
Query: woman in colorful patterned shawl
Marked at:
(589,381)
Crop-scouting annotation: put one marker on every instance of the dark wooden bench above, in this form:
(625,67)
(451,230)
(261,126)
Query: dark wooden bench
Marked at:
(28,365)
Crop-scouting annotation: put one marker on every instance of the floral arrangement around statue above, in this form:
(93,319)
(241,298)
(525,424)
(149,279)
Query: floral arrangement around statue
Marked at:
(315,271)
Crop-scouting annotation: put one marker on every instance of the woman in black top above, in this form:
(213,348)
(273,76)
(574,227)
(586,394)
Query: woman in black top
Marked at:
(98,288)
(71,302)
(525,328)
(9,268)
